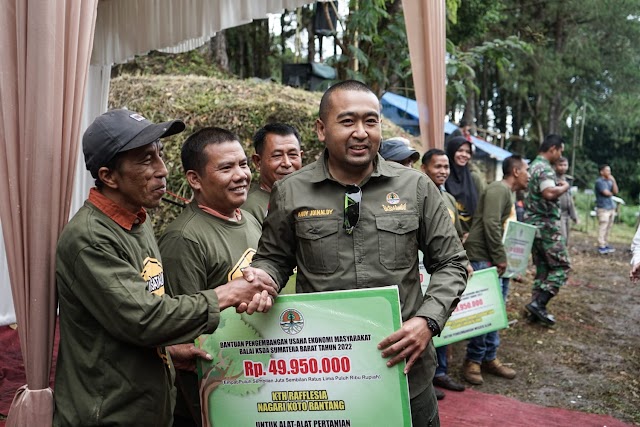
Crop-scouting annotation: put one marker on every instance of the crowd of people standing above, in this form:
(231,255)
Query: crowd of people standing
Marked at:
(131,306)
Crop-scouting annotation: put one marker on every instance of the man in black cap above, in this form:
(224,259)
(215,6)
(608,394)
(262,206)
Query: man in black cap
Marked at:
(115,319)
(398,150)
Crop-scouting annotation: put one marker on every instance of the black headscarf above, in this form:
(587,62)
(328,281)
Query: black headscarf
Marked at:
(460,183)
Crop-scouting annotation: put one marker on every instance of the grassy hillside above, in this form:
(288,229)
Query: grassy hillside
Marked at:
(242,106)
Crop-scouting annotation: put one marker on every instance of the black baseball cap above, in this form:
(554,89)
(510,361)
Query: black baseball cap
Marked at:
(121,130)
(396,149)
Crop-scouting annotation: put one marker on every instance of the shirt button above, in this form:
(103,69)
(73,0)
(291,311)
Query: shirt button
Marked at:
(359,260)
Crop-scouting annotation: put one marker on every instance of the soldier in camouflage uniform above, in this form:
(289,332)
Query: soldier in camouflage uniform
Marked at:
(542,210)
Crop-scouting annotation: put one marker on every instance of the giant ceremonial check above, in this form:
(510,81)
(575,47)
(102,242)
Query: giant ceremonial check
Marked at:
(312,361)
(481,308)
(517,240)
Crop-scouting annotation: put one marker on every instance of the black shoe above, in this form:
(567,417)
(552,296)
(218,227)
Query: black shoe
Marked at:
(439,394)
(448,383)
(538,307)
(530,317)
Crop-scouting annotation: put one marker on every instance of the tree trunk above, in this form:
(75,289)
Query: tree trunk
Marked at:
(501,103)
(469,114)
(555,106)
(311,40)
(283,39)
(218,51)
(555,111)
(262,49)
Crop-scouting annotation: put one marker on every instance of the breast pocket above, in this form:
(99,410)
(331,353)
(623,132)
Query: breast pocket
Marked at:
(397,239)
(318,244)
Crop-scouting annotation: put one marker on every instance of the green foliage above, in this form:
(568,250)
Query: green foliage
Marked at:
(584,203)
(375,39)
(569,54)
(461,65)
(628,215)
(474,19)
(248,47)
(585,169)
(613,145)
(452,10)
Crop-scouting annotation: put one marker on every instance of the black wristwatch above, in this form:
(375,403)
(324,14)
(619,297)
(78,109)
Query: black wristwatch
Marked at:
(433,326)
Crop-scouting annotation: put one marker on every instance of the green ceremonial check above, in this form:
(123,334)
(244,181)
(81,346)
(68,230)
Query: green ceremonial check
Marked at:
(312,361)
(517,240)
(481,308)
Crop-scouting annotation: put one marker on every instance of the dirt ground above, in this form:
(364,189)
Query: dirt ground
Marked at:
(590,360)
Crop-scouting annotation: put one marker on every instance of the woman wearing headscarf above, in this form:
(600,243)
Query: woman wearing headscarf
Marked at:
(463,184)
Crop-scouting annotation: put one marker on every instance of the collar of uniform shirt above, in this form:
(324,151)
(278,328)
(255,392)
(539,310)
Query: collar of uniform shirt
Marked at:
(237,215)
(117,213)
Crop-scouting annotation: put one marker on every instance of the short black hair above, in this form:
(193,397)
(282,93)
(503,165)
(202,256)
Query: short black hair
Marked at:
(602,166)
(510,163)
(562,159)
(551,141)
(352,85)
(192,153)
(281,129)
(426,157)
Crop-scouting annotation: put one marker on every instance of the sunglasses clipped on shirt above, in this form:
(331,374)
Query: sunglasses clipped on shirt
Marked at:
(352,199)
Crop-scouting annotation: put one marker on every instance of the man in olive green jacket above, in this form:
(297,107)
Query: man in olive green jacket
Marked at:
(351,220)
(485,249)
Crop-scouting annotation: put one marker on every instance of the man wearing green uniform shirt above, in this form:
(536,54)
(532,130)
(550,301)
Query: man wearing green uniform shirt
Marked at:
(115,318)
(350,220)
(435,164)
(485,249)
(542,210)
(212,240)
(277,155)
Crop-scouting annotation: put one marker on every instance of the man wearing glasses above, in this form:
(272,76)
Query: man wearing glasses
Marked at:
(350,220)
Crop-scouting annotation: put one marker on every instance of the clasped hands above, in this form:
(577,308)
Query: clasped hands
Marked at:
(254,292)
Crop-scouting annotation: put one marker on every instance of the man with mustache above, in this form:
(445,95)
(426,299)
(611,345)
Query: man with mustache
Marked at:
(115,318)
(277,155)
